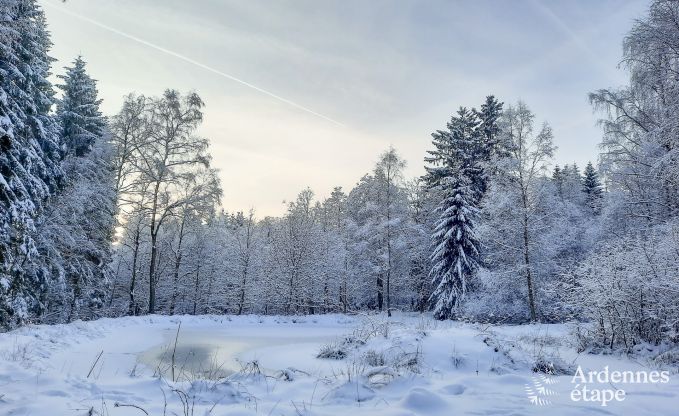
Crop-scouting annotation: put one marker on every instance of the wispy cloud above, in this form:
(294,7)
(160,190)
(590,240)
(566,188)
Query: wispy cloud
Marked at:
(193,62)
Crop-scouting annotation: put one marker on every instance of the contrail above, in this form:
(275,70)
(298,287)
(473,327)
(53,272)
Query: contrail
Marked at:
(575,37)
(194,62)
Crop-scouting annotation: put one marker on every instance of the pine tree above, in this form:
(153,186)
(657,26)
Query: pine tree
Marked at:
(78,110)
(592,188)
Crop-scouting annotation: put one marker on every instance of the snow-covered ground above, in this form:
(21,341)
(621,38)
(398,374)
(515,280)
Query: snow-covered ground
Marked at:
(251,365)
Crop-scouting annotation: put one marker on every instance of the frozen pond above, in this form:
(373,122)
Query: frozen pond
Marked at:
(214,355)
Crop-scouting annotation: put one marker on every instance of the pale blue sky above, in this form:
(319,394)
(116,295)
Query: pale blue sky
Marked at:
(390,71)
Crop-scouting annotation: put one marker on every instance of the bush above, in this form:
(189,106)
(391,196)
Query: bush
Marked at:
(628,290)
(332,351)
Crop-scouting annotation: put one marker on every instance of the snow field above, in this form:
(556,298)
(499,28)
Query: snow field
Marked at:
(406,365)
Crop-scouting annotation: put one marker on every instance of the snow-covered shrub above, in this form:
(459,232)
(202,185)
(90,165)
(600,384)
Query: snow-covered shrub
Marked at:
(333,350)
(458,358)
(374,358)
(250,368)
(351,391)
(20,352)
(627,290)
(498,297)
(408,360)
(668,358)
(552,365)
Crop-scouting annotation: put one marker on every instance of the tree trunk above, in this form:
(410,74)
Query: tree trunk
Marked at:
(154,251)
(388,279)
(152,274)
(132,310)
(177,264)
(380,292)
(241,300)
(196,289)
(526,259)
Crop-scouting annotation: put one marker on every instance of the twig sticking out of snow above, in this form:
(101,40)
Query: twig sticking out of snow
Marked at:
(116,404)
(94,364)
(174,350)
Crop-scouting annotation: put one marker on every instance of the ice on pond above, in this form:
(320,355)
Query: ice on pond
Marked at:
(211,355)
(196,355)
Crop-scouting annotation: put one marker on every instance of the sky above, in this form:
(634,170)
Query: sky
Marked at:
(306,93)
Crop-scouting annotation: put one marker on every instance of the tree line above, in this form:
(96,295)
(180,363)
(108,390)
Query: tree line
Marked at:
(121,215)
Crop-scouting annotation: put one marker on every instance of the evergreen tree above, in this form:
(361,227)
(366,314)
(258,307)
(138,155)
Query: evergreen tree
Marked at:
(571,184)
(592,188)
(455,255)
(455,175)
(29,161)
(78,110)
(557,178)
(490,113)
(488,145)
(455,150)
(75,233)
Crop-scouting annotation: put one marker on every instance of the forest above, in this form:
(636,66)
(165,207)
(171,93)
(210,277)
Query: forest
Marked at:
(117,215)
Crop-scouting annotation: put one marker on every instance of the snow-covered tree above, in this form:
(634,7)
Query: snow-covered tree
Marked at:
(164,161)
(640,146)
(591,186)
(78,110)
(200,192)
(627,289)
(456,175)
(490,143)
(76,229)
(337,243)
(455,256)
(519,192)
(245,235)
(378,215)
(29,161)
(294,247)
(422,217)
(129,131)
(74,236)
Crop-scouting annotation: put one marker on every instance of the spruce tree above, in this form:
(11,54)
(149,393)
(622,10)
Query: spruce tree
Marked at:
(74,236)
(489,115)
(31,152)
(78,110)
(488,144)
(455,175)
(455,256)
(571,184)
(456,150)
(591,186)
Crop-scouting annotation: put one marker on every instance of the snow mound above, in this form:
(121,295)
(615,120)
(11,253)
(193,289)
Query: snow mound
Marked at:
(351,392)
(424,401)
(454,389)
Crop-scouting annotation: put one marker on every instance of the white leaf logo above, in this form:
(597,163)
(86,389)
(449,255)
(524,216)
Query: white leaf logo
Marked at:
(538,392)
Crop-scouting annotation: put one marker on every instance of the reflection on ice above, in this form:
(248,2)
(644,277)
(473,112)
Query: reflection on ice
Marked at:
(209,355)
